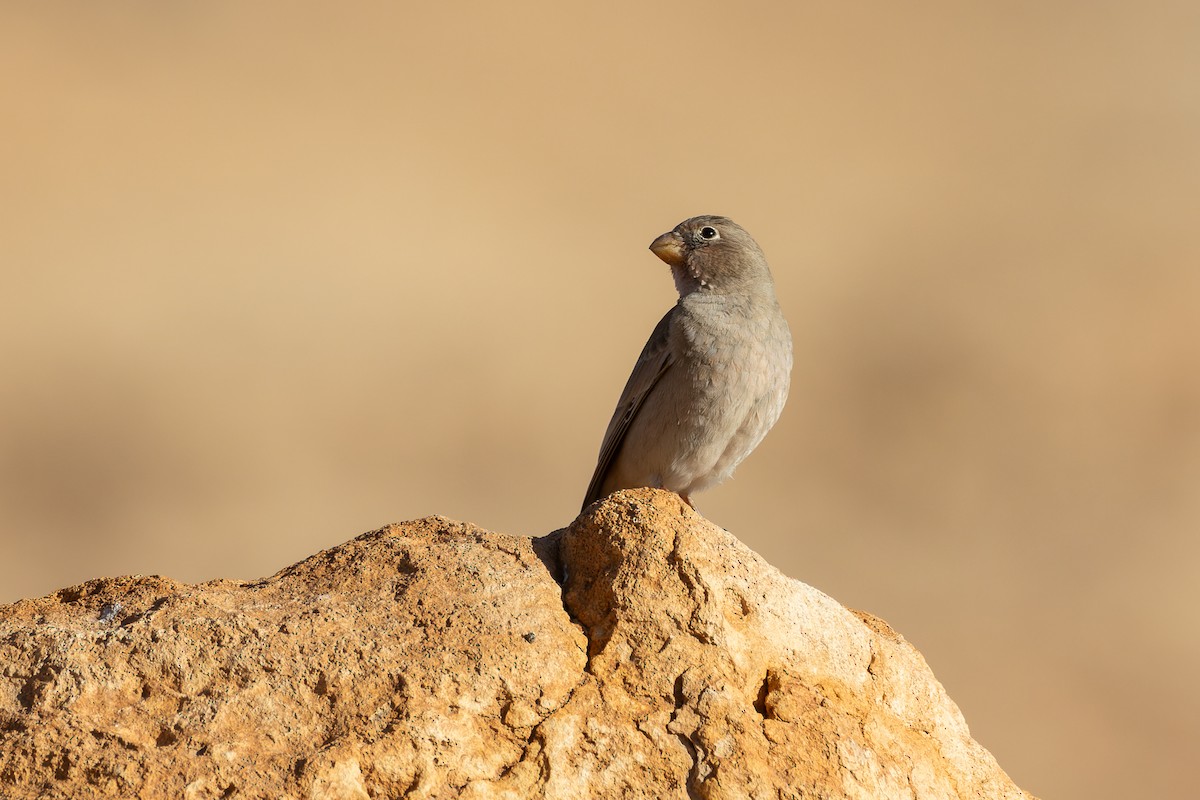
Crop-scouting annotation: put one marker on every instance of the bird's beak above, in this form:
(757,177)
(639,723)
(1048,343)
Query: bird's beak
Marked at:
(669,247)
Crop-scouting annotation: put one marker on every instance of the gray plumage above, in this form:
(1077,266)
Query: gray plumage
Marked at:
(714,375)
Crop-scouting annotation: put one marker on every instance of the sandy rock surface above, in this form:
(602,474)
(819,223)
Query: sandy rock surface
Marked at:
(434,659)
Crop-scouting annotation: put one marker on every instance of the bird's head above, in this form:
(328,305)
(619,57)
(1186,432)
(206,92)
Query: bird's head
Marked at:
(712,253)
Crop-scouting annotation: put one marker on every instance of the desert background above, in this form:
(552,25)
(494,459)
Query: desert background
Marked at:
(275,274)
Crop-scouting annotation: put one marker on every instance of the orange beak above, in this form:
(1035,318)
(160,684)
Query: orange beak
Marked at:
(669,247)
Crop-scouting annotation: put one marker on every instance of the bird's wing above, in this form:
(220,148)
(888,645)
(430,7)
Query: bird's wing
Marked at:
(652,364)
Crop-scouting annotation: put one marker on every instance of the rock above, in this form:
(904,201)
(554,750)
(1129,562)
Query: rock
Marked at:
(434,659)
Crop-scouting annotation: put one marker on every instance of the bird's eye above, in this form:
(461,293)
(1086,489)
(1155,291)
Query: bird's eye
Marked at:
(708,232)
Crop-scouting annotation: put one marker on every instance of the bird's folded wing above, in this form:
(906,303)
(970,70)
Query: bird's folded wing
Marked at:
(652,364)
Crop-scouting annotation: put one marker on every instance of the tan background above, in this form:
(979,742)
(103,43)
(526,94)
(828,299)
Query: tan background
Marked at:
(273,275)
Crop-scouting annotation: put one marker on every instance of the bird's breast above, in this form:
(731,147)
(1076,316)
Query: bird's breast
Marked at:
(734,353)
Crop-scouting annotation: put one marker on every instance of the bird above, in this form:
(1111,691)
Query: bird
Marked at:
(713,377)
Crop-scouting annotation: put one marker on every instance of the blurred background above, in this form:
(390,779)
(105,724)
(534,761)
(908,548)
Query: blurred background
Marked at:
(275,274)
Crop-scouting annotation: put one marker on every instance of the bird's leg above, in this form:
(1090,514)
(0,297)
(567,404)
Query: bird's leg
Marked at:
(688,500)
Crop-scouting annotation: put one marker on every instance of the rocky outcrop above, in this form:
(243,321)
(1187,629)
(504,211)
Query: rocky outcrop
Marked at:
(642,652)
